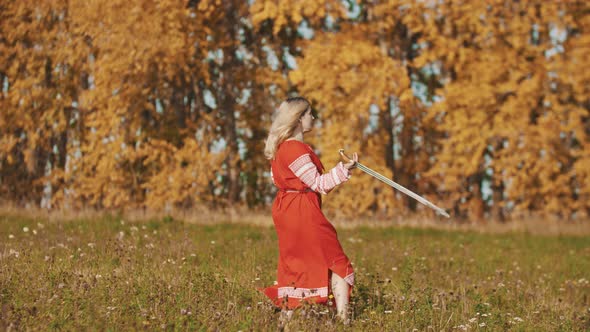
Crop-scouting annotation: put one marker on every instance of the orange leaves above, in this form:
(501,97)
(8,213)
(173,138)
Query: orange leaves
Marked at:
(290,13)
(128,104)
(181,175)
(345,76)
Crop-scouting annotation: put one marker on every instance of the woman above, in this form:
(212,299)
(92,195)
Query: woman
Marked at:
(312,264)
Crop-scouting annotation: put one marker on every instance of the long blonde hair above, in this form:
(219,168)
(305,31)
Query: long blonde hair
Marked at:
(284,124)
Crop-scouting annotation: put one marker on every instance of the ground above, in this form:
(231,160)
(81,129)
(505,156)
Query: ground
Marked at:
(109,273)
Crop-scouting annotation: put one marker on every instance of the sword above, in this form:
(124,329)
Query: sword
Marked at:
(394,185)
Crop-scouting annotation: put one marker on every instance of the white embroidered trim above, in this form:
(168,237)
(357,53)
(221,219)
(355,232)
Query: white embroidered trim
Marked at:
(350,279)
(300,293)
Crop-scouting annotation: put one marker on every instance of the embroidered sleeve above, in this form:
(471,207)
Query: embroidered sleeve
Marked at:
(308,173)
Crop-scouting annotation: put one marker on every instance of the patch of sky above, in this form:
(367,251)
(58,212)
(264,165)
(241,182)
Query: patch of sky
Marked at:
(535,34)
(420,90)
(218,145)
(398,118)
(486,183)
(199,133)
(271,57)
(91,82)
(329,21)
(216,55)
(159,106)
(289,59)
(373,122)
(353,9)
(5,84)
(242,149)
(542,153)
(244,97)
(557,36)
(209,98)
(304,30)
(242,54)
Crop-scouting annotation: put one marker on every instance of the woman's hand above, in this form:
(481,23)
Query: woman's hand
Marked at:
(352,162)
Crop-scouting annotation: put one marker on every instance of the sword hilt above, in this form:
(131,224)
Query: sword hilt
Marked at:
(344,157)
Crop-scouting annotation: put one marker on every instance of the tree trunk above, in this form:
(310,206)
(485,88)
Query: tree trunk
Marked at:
(227,104)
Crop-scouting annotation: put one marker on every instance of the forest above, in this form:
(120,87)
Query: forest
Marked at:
(480,106)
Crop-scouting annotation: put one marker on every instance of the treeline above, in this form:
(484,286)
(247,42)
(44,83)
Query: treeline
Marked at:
(482,106)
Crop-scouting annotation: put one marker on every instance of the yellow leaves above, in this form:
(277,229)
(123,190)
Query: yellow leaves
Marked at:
(406,95)
(345,76)
(182,174)
(284,13)
(296,77)
(124,98)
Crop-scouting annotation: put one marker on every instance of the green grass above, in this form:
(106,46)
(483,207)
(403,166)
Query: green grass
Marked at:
(108,274)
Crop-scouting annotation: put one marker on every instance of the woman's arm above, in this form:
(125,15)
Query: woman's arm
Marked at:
(304,168)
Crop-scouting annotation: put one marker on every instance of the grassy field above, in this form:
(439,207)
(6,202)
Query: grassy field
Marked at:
(111,274)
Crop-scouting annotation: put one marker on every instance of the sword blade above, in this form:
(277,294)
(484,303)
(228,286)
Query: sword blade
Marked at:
(402,189)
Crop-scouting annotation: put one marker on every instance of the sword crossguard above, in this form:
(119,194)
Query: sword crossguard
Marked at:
(344,157)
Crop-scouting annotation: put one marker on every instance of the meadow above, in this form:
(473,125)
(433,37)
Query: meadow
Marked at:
(109,273)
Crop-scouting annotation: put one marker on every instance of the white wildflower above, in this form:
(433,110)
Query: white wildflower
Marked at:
(25,229)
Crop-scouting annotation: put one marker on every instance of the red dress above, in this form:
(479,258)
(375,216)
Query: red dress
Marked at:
(309,250)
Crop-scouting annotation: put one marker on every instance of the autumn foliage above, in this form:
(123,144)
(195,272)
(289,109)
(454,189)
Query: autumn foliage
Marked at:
(481,106)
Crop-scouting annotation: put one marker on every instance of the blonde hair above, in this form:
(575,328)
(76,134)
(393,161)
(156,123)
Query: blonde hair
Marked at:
(284,124)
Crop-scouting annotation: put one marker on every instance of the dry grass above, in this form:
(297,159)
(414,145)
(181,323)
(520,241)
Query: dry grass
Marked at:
(114,272)
(535,225)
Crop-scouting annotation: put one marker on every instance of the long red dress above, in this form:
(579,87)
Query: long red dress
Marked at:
(309,250)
